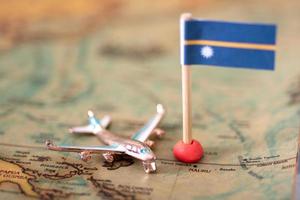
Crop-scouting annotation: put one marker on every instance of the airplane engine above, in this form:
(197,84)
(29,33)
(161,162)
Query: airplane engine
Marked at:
(109,157)
(159,132)
(150,143)
(85,156)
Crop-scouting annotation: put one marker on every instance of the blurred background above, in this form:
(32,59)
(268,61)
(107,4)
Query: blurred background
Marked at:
(32,20)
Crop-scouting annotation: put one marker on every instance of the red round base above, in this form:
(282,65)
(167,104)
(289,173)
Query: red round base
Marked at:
(188,153)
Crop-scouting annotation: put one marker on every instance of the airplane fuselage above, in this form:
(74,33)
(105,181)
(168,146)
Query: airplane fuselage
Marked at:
(131,147)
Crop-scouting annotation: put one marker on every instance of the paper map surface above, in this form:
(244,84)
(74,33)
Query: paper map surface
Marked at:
(122,59)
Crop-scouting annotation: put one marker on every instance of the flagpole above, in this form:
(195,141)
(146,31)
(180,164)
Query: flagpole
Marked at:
(186,104)
(186,86)
(187,150)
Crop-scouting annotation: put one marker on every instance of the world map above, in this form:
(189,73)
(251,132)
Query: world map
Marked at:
(120,58)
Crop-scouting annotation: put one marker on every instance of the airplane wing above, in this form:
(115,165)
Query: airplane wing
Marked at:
(82,129)
(104,123)
(147,129)
(91,149)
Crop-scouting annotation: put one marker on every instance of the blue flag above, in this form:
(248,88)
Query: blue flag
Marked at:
(229,44)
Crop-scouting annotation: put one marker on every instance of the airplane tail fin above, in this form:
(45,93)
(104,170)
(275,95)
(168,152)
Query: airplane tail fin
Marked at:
(95,125)
(93,121)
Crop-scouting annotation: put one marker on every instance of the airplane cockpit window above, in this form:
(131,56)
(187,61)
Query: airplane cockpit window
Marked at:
(144,150)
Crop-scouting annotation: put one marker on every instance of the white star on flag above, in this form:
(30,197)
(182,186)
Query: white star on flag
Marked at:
(207,52)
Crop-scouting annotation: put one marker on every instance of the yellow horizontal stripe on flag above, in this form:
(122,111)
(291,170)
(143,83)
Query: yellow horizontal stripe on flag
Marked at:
(231,44)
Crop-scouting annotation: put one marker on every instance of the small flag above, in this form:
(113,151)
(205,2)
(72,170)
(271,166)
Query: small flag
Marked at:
(229,44)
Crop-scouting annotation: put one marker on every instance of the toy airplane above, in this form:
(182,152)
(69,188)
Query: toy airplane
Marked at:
(137,146)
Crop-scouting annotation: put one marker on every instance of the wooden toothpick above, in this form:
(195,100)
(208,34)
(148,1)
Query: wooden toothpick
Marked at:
(186,87)
(186,104)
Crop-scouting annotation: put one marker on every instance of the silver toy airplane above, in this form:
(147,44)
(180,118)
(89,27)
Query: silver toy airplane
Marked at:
(137,146)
